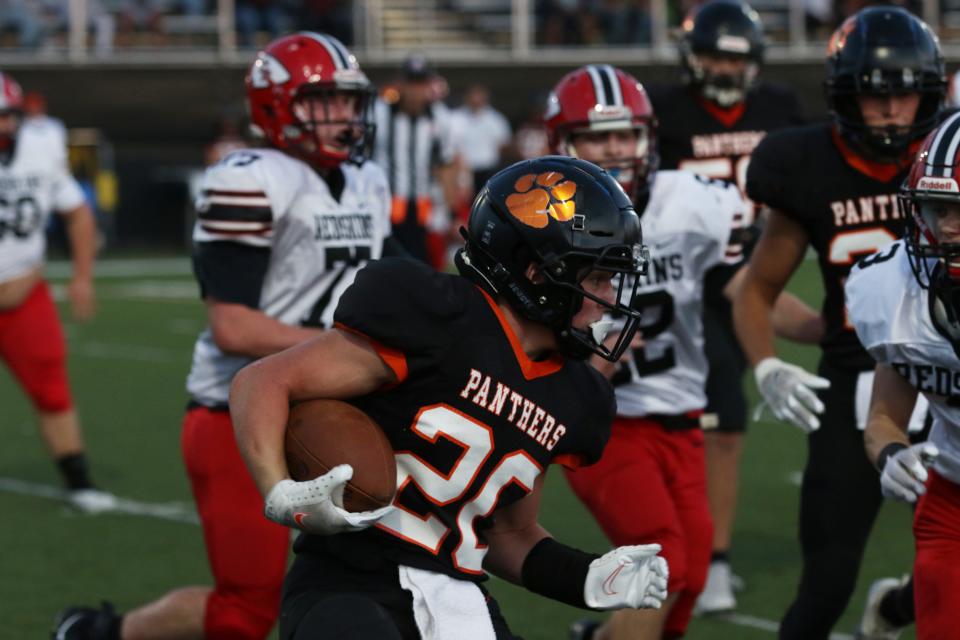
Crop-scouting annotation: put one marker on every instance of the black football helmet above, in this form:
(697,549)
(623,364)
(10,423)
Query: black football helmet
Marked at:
(883,51)
(723,29)
(566,217)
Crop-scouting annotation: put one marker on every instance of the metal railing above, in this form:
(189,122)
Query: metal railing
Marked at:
(463,31)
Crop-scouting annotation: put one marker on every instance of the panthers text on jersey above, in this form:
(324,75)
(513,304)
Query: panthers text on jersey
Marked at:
(271,234)
(695,135)
(35,182)
(472,419)
(846,204)
(689,225)
(894,319)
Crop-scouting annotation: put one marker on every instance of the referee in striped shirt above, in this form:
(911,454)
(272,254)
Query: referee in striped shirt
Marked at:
(415,146)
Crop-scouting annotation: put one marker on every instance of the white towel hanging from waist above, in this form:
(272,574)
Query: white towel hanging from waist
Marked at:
(445,607)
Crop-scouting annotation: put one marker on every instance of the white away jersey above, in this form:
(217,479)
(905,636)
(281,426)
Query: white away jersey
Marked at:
(34,183)
(687,225)
(265,198)
(892,317)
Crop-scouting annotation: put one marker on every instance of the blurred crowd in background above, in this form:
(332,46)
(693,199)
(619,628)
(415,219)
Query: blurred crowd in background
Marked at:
(35,24)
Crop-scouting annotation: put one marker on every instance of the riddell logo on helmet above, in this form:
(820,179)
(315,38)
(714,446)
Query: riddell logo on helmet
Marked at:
(927,183)
(540,197)
(733,44)
(603,113)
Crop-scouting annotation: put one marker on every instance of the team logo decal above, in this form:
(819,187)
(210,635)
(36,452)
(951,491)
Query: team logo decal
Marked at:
(541,197)
(267,71)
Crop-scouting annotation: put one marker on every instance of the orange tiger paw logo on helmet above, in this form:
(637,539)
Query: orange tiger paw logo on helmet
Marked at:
(540,197)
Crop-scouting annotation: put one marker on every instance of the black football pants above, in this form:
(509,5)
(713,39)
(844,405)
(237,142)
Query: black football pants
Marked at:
(839,501)
(326,597)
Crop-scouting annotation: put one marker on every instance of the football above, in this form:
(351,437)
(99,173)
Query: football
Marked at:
(324,433)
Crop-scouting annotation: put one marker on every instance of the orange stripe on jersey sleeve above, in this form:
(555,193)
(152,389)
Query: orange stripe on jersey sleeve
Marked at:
(571,461)
(393,358)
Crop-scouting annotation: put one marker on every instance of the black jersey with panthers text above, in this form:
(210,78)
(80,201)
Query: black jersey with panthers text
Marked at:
(696,135)
(846,204)
(473,420)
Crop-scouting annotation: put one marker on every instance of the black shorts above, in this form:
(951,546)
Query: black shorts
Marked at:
(333,598)
(725,397)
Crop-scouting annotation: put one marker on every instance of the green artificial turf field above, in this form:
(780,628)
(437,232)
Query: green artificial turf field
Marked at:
(127,369)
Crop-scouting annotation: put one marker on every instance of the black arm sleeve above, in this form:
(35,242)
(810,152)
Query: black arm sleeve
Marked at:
(554,570)
(231,272)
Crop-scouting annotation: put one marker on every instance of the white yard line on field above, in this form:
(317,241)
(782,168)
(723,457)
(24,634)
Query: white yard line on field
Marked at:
(136,353)
(173,511)
(763,624)
(178,291)
(127,268)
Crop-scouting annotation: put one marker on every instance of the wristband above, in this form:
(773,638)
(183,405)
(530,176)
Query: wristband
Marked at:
(890,450)
(554,570)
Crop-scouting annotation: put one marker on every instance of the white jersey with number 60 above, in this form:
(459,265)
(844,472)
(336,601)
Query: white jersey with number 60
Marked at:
(35,182)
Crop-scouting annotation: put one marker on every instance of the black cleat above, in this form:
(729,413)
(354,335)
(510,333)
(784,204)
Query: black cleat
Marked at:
(86,623)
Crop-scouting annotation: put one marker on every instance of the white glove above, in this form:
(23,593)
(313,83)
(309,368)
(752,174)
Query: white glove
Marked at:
(314,506)
(905,472)
(627,577)
(789,392)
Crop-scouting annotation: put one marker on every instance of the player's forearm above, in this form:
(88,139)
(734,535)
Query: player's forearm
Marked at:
(508,550)
(753,319)
(795,320)
(82,235)
(259,408)
(891,404)
(880,432)
(240,330)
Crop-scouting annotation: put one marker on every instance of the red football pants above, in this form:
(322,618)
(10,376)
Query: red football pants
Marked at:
(936,570)
(32,345)
(651,486)
(247,552)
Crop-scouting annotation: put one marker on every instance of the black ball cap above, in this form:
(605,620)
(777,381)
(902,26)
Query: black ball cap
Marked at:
(417,67)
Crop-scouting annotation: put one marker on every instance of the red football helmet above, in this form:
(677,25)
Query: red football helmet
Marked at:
(597,98)
(11,96)
(11,102)
(933,183)
(281,84)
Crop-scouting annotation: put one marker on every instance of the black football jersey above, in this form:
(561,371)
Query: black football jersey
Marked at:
(692,136)
(473,420)
(808,174)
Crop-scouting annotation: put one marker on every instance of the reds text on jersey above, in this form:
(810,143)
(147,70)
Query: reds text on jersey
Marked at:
(894,320)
